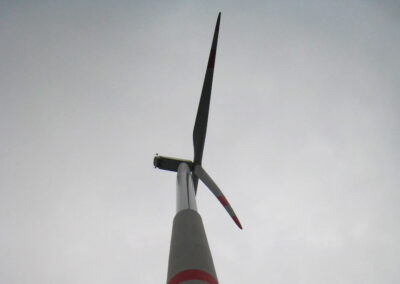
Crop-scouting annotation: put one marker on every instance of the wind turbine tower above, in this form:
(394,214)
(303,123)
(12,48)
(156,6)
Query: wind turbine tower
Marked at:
(190,259)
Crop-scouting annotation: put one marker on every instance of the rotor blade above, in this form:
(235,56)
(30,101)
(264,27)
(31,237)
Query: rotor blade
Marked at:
(207,180)
(200,126)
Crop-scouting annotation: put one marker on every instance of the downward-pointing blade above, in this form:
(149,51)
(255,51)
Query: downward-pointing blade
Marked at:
(207,180)
(200,126)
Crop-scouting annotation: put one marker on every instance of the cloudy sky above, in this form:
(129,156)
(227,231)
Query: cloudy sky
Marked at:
(303,138)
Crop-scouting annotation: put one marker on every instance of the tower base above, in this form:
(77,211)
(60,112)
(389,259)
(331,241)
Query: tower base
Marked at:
(190,257)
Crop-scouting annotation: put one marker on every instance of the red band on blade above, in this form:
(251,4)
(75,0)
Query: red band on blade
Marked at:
(211,60)
(223,200)
(193,274)
(237,222)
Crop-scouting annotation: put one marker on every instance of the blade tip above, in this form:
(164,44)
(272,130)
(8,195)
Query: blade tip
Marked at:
(237,222)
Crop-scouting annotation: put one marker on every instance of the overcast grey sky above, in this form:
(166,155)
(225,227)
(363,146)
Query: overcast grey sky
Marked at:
(303,138)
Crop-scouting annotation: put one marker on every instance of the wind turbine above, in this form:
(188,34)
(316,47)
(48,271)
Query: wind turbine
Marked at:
(190,257)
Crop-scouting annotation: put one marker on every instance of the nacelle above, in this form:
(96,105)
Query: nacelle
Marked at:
(170,164)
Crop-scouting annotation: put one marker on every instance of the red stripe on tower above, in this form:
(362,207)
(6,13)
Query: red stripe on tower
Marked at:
(193,274)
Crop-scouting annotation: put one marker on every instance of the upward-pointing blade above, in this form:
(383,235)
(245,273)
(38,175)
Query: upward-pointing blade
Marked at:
(200,126)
